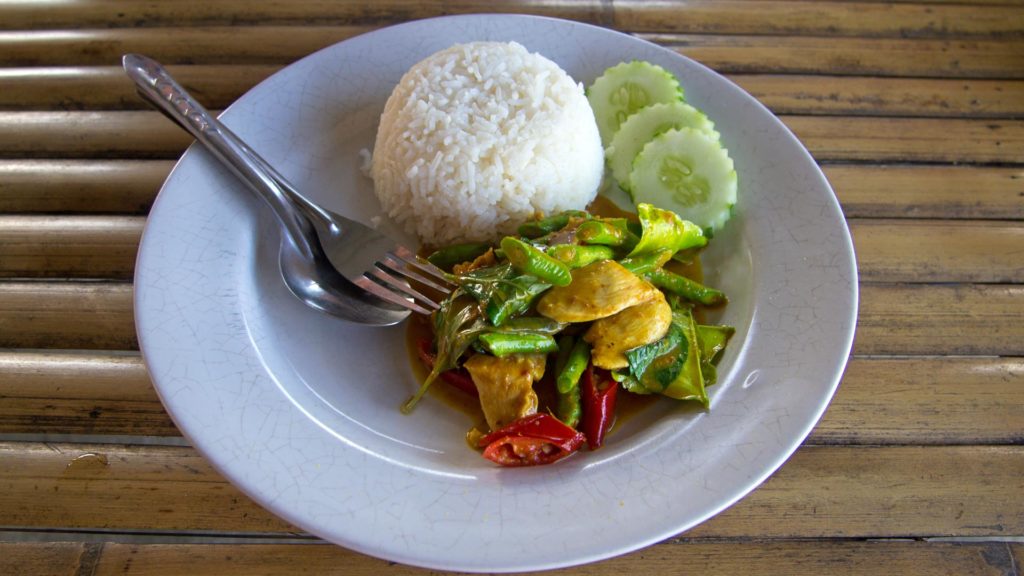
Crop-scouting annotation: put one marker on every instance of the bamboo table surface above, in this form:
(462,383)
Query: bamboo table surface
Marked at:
(915,111)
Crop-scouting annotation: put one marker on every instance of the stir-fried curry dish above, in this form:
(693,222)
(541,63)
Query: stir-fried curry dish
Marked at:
(591,307)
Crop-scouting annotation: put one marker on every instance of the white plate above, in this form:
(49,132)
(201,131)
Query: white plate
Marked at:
(300,411)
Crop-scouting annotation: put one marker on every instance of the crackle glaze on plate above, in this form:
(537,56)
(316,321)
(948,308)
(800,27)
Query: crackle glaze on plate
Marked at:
(300,411)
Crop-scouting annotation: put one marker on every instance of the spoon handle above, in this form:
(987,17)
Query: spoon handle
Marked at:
(157,86)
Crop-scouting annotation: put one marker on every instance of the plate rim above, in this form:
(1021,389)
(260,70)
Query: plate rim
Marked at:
(290,516)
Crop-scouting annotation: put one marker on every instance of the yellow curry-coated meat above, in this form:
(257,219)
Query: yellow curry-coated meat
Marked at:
(597,291)
(506,385)
(635,326)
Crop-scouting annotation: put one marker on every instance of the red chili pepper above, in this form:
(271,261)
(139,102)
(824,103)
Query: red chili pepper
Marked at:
(597,393)
(457,377)
(530,441)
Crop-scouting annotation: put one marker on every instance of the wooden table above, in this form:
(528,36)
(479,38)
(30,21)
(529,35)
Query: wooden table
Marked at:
(914,110)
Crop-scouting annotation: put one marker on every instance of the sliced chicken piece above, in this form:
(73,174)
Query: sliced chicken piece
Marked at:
(635,326)
(506,385)
(597,291)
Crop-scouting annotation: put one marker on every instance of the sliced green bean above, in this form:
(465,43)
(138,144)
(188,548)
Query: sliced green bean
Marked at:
(569,376)
(604,231)
(569,409)
(533,261)
(686,288)
(577,256)
(528,324)
(502,344)
(449,256)
(553,223)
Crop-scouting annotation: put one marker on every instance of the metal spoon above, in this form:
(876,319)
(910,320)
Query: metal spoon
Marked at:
(320,250)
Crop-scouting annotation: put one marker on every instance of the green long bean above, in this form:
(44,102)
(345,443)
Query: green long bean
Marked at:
(576,256)
(503,344)
(533,261)
(686,288)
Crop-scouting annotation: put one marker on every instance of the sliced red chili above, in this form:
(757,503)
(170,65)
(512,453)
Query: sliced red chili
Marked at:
(598,392)
(457,377)
(531,440)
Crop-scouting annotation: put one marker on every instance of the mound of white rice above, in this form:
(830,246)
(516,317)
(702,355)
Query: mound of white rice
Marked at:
(477,138)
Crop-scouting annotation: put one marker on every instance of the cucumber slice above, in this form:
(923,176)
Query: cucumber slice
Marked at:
(643,126)
(625,88)
(688,172)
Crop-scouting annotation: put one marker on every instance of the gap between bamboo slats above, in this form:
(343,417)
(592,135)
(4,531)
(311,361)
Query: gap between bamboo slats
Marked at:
(279,45)
(822,491)
(700,16)
(894,319)
(144,134)
(865,191)
(899,250)
(217,86)
(884,401)
(708,558)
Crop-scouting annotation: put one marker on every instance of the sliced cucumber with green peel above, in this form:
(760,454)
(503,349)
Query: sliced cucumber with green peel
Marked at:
(625,88)
(641,127)
(688,172)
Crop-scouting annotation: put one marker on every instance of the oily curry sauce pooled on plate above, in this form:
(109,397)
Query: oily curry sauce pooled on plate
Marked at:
(535,383)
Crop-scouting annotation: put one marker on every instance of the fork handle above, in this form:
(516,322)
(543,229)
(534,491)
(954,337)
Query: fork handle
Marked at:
(157,86)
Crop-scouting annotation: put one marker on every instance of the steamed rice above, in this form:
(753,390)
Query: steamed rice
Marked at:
(477,138)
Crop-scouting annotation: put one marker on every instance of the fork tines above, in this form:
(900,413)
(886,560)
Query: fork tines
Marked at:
(389,280)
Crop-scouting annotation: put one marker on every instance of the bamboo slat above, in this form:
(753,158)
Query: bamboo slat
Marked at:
(820,492)
(90,135)
(89,315)
(926,401)
(851,56)
(892,401)
(69,246)
(729,17)
(928,191)
(107,87)
(794,558)
(137,134)
(82,186)
(887,250)
(939,251)
(876,96)
(940,319)
(68,392)
(818,19)
(186,45)
(104,13)
(709,558)
(277,45)
(874,191)
(217,86)
(909,139)
(753,559)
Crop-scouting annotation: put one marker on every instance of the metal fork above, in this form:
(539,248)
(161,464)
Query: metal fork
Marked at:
(330,262)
